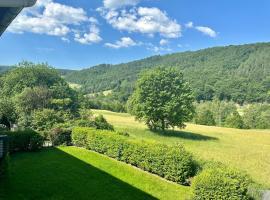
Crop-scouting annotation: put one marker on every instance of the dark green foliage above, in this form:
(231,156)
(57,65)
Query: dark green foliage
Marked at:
(112,102)
(221,183)
(7,112)
(237,73)
(28,75)
(33,98)
(98,122)
(27,140)
(44,120)
(234,121)
(85,123)
(4,166)
(162,99)
(101,123)
(219,109)
(171,162)
(257,116)
(29,91)
(205,117)
(4,69)
(60,136)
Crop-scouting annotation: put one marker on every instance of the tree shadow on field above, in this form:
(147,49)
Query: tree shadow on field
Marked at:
(184,135)
(56,175)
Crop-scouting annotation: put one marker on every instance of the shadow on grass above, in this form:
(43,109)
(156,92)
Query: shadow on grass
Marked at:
(184,135)
(54,174)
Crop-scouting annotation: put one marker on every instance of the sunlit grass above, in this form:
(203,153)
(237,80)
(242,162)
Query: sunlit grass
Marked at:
(76,173)
(248,150)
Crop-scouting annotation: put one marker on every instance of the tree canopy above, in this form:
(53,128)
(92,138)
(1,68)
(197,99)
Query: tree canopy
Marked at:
(162,99)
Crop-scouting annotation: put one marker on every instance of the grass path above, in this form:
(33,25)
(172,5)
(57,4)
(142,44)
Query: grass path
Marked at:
(75,173)
(248,150)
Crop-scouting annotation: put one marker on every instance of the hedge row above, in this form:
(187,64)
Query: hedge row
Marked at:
(26,140)
(221,182)
(171,162)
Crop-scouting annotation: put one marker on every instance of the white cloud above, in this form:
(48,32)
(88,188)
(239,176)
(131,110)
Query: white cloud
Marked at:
(89,38)
(65,39)
(163,42)
(124,42)
(189,25)
(143,20)
(207,31)
(50,18)
(158,49)
(114,4)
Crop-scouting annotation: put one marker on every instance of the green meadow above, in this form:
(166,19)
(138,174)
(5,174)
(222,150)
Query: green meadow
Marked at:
(247,150)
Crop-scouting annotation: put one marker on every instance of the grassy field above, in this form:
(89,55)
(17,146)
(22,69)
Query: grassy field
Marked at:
(248,150)
(75,173)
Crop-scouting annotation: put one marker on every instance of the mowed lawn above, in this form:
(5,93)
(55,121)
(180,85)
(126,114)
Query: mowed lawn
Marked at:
(248,150)
(73,173)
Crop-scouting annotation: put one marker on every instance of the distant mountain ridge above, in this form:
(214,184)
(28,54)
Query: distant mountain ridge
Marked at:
(63,72)
(239,73)
(4,68)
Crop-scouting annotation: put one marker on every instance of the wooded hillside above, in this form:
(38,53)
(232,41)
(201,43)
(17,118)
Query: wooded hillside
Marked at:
(238,73)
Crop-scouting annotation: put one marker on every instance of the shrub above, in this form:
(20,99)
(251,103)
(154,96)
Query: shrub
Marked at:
(171,162)
(257,116)
(27,140)
(221,183)
(234,121)
(85,123)
(4,166)
(205,117)
(60,136)
(101,123)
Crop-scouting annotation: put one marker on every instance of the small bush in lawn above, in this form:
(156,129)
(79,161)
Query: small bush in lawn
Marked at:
(101,123)
(26,140)
(60,136)
(4,166)
(171,162)
(221,183)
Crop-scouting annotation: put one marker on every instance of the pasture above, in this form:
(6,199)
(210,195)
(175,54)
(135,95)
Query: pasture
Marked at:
(247,150)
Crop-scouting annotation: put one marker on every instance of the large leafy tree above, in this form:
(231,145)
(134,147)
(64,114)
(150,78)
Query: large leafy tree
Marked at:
(163,99)
(8,116)
(34,87)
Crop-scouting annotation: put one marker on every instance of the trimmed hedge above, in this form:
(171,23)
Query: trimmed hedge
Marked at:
(221,183)
(171,162)
(26,140)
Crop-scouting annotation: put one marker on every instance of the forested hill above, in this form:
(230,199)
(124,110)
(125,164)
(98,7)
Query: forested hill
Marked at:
(4,68)
(238,73)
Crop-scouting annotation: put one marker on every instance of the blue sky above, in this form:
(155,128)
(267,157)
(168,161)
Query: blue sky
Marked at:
(77,34)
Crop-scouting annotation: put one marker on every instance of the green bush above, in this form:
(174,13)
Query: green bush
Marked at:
(101,123)
(4,166)
(85,123)
(171,162)
(60,136)
(26,140)
(221,183)
(205,117)
(234,121)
